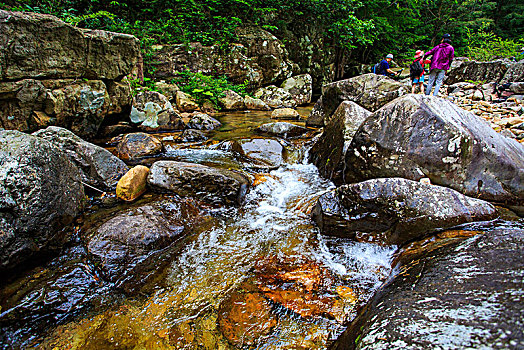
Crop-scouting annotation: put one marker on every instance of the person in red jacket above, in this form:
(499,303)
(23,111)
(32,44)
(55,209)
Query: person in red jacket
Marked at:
(443,55)
(418,79)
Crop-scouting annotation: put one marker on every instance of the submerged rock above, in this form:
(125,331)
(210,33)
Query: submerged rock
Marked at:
(188,179)
(133,184)
(282,129)
(370,91)
(126,248)
(395,210)
(425,136)
(138,145)
(99,167)
(460,296)
(328,151)
(40,192)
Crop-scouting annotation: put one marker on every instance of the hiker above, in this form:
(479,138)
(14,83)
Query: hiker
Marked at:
(443,55)
(416,71)
(384,66)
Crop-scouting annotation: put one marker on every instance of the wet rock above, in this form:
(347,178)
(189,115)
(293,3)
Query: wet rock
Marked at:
(462,295)
(268,151)
(191,135)
(133,184)
(152,111)
(285,113)
(185,103)
(202,121)
(300,87)
(395,210)
(255,104)
(232,101)
(46,48)
(245,317)
(126,248)
(492,71)
(370,91)
(40,193)
(188,179)
(424,136)
(328,151)
(99,167)
(138,145)
(282,129)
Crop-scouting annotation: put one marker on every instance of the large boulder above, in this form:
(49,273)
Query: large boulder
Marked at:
(486,72)
(465,295)
(327,153)
(40,192)
(126,247)
(395,210)
(98,166)
(275,97)
(202,121)
(43,47)
(266,152)
(185,102)
(152,111)
(300,87)
(419,136)
(138,145)
(255,104)
(188,179)
(78,105)
(514,73)
(370,91)
(232,101)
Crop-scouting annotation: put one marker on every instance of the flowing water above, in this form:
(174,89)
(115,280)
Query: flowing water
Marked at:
(259,276)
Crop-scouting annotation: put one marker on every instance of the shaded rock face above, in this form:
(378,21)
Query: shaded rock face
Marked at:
(460,296)
(187,179)
(370,91)
(328,151)
(127,246)
(282,129)
(138,145)
(152,111)
(515,73)
(395,210)
(300,87)
(268,152)
(98,166)
(40,193)
(424,136)
(260,58)
(57,74)
(492,71)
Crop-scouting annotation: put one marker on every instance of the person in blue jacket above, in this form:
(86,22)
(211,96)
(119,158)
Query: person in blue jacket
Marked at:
(384,66)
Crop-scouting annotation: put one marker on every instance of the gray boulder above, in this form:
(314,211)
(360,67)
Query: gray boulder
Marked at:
(202,121)
(232,101)
(98,166)
(465,295)
(266,152)
(370,91)
(255,104)
(216,185)
(300,88)
(40,193)
(486,72)
(282,129)
(514,73)
(126,247)
(328,151)
(275,97)
(419,136)
(395,210)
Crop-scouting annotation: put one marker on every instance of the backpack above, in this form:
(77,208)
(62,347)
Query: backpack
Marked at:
(415,69)
(376,68)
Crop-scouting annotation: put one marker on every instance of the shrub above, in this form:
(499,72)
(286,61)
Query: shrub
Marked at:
(484,45)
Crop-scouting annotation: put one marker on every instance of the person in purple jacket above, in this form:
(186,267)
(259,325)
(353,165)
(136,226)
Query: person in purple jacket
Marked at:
(443,55)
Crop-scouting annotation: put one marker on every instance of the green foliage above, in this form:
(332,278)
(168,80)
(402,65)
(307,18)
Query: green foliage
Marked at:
(204,87)
(484,45)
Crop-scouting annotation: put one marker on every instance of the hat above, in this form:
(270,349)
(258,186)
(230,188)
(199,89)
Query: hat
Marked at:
(446,36)
(389,56)
(419,53)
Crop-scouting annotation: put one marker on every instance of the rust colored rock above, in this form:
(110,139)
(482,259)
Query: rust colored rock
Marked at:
(245,317)
(138,145)
(133,184)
